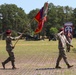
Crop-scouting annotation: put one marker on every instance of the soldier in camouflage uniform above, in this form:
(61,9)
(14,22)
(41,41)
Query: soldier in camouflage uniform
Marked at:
(9,49)
(69,38)
(62,46)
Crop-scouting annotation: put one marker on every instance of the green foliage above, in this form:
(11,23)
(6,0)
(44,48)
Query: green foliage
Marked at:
(13,17)
(14,33)
(53,30)
(16,19)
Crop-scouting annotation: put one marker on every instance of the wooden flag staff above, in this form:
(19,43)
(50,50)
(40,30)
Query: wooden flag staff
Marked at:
(23,33)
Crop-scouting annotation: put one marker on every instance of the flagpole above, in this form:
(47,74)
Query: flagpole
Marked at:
(23,32)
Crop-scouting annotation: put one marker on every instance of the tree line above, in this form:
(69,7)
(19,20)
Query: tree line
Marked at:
(16,19)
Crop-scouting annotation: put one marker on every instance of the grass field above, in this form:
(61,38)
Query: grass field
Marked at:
(37,58)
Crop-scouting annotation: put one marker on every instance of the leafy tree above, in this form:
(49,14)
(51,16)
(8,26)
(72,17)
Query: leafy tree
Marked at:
(13,17)
(74,17)
(16,19)
(53,31)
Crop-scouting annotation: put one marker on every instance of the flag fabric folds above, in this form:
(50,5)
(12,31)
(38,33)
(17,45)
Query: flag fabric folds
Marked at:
(40,26)
(38,17)
(41,18)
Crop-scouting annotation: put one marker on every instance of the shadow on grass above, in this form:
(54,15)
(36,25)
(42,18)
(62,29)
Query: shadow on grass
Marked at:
(53,68)
(45,68)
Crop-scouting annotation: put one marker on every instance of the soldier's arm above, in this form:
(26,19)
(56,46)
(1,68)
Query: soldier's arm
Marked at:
(19,36)
(68,42)
(15,38)
(59,34)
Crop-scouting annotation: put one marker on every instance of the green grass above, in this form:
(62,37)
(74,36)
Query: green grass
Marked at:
(39,54)
(34,47)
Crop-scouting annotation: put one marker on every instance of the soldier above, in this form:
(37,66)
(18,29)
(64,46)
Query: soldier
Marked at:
(9,49)
(69,38)
(62,46)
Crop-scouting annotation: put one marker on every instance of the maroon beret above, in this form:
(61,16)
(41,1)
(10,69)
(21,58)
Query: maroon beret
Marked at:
(61,29)
(8,31)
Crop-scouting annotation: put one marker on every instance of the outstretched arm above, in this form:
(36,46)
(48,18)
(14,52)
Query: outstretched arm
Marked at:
(18,37)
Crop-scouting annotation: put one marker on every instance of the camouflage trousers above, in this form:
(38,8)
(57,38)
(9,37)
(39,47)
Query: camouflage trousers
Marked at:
(10,58)
(62,54)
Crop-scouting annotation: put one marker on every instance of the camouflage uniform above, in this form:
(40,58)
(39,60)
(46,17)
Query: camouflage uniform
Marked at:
(9,49)
(62,46)
(69,38)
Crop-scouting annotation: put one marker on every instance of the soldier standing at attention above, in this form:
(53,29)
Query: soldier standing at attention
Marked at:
(9,49)
(62,46)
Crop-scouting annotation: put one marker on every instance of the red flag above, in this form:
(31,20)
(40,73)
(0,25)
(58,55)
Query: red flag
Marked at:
(41,18)
(40,26)
(38,17)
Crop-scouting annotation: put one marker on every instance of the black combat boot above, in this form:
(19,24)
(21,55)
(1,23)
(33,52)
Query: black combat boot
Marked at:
(3,65)
(13,65)
(6,61)
(69,66)
(58,67)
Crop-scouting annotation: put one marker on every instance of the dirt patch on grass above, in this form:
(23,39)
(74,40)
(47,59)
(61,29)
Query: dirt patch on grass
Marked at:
(38,65)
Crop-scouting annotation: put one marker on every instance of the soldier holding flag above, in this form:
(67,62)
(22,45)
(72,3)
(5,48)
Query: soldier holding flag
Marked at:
(9,49)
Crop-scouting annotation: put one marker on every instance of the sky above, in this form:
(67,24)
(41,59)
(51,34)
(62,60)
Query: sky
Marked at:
(28,5)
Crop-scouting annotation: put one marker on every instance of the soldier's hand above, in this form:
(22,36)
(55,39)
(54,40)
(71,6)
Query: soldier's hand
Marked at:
(21,35)
(12,47)
(71,45)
